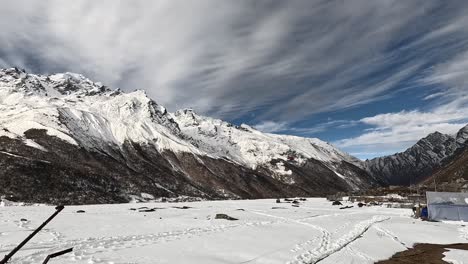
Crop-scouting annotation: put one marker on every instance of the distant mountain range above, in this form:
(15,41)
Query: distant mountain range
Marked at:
(67,139)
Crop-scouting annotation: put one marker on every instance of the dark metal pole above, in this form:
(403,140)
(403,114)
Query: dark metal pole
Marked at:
(13,252)
(56,254)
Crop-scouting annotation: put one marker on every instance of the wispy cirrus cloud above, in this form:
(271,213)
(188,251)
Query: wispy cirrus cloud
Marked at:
(272,63)
(394,132)
(272,127)
(284,60)
(287,128)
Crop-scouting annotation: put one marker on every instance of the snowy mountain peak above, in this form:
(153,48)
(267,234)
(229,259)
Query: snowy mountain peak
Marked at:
(11,72)
(186,111)
(67,83)
(55,85)
(82,112)
(188,117)
(250,147)
(434,139)
(91,116)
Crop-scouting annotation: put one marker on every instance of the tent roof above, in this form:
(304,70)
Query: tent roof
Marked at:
(447,198)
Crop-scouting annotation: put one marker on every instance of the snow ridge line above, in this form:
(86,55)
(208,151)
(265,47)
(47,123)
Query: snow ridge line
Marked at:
(326,248)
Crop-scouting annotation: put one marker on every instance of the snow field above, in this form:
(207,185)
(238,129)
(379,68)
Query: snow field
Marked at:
(315,232)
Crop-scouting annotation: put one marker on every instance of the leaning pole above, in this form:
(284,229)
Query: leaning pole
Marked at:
(7,257)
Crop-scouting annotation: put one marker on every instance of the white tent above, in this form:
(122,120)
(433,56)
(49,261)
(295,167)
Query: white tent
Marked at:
(447,206)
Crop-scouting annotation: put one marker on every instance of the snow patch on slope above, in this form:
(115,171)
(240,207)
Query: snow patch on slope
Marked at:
(33,144)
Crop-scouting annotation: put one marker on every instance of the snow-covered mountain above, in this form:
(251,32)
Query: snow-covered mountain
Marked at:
(252,148)
(64,137)
(419,161)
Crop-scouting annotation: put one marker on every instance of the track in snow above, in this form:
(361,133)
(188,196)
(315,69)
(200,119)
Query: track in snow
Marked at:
(355,252)
(328,247)
(388,233)
(84,249)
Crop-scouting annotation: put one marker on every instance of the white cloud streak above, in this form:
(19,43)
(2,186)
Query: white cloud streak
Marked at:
(279,61)
(287,128)
(285,60)
(271,126)
(398,131)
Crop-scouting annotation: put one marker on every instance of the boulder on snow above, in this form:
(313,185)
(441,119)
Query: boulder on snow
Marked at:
(80,211)
(225,216)
(147,210)
(182,207)
(278,200)
(361,204)
(337,203)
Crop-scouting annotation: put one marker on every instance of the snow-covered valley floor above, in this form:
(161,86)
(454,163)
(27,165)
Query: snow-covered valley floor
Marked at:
(314,232)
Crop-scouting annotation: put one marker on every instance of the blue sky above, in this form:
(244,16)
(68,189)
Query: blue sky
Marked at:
(371,77)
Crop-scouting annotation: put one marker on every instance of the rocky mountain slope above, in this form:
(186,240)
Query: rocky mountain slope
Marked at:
(419,161)
(64,138)
(453,173)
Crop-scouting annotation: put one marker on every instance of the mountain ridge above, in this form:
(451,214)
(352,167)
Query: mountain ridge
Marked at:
(452,174)
(104,137)
(419,161)
(94,144)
